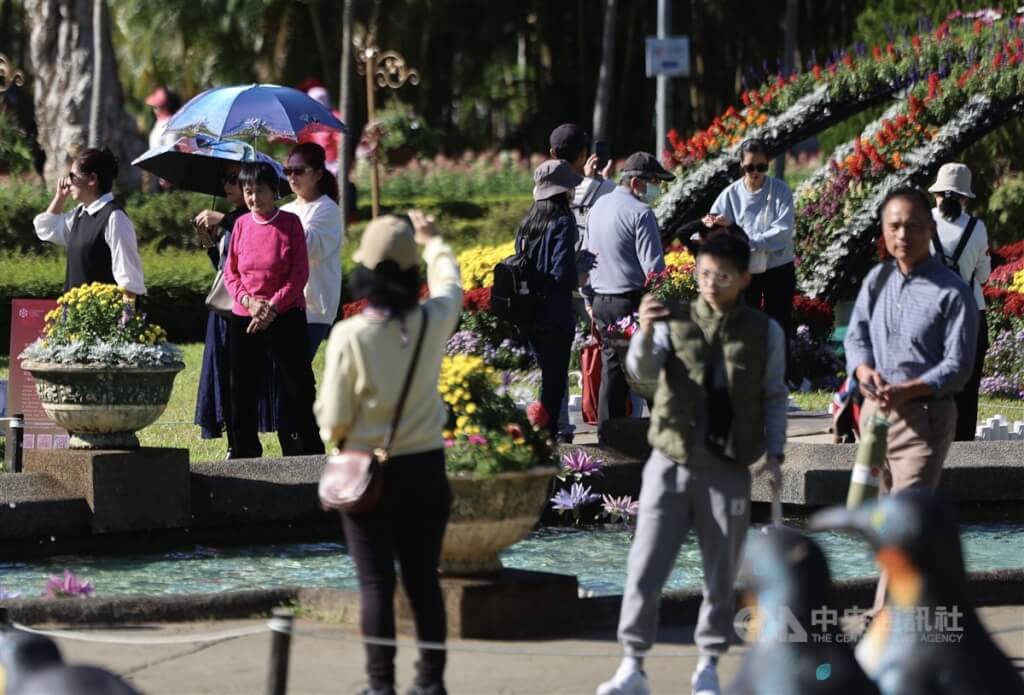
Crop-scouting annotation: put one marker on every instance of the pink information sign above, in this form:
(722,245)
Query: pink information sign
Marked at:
(27,319)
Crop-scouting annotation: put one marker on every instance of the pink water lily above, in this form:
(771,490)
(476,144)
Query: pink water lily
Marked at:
(68,586)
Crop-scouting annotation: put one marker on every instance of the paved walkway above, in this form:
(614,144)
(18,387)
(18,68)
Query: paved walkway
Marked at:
(328,659)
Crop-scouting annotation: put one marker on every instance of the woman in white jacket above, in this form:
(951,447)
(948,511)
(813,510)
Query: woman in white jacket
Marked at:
(316,204)
(963,240)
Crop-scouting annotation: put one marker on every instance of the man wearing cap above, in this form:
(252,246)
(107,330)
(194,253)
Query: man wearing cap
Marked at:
(963,242)
(164,103)
(623,234)
(910,345)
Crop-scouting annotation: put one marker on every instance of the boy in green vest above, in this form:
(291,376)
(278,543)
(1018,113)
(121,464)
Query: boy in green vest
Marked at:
(720,405)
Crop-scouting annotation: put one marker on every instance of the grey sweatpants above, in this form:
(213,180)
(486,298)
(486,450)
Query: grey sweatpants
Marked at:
(714,498)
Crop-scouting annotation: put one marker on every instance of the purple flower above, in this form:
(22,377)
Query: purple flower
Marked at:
(573,498)
(463,343)
(477,439)
(624,507)
(7,595)
(68,586)
(580,464)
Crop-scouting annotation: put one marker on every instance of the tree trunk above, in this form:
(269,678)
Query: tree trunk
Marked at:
(603,99)
(61,53)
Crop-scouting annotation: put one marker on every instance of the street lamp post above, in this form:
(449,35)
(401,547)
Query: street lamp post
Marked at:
(382,69)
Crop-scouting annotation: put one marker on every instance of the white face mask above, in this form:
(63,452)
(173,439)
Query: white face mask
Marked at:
(652,193)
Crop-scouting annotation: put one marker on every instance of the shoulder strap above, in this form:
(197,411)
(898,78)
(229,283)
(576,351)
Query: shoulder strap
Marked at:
(876,289)
(937,245)
(964,238)
(389,437)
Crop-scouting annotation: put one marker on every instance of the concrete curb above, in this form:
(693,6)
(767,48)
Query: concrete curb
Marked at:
(994,588)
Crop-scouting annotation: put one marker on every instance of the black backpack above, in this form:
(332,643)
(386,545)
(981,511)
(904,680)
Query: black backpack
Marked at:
(514,294)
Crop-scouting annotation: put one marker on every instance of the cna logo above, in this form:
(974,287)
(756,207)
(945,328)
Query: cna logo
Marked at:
(23,313)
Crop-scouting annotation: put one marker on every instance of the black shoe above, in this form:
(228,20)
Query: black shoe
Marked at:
(368,690)
(564,437)
(432,689)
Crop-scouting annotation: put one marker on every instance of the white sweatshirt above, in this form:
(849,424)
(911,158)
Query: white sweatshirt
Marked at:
(321,221)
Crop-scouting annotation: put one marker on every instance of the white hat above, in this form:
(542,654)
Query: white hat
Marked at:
(953,177)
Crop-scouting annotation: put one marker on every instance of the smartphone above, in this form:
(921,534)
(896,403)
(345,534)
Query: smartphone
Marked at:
(602,152)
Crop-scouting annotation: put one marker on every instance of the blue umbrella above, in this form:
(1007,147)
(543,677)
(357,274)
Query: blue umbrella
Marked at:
(255,110)
(198,163)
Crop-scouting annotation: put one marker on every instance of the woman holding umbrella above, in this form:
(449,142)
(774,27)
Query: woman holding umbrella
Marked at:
(99,237)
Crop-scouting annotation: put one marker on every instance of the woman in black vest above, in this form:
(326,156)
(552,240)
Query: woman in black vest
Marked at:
(99,237)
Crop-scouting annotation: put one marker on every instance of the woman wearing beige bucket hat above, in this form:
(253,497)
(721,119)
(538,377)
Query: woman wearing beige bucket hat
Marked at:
(380,380)
(962,241)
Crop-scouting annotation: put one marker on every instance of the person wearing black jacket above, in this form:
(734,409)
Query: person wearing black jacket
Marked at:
(548,231)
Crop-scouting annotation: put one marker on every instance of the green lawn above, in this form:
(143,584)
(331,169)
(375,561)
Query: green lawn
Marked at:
(175,428)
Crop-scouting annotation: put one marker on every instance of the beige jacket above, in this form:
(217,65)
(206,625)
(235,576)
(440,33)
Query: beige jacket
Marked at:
(368,359)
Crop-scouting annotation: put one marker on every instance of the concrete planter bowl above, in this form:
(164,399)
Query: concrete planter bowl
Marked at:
(490,514)
(102,407)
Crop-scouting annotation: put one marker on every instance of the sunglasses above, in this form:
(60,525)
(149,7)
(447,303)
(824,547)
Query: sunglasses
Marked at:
(295,171)
(751,168)
(75,178)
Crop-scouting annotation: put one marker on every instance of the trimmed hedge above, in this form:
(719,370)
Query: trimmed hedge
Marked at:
(176,281)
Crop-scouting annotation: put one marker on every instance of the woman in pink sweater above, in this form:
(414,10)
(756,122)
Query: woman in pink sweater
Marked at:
(265,272)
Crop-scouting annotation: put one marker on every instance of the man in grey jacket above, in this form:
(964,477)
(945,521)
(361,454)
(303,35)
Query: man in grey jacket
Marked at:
(622,232)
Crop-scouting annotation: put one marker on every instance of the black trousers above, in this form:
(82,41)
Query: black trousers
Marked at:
(553,347)
(286,342)
(772,292)
(408,525)
(611,397)
(967,400)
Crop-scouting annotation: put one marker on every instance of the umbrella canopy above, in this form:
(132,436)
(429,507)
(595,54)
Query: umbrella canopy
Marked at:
(254,110)
(198,163)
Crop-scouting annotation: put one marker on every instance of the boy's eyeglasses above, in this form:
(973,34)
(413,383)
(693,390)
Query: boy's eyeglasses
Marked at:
(751,168)
(720,280)
(295,171)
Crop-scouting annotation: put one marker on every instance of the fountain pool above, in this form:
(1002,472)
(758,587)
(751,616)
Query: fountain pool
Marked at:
(596,556)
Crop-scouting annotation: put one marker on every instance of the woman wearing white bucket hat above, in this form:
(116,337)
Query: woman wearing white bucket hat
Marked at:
(962,241)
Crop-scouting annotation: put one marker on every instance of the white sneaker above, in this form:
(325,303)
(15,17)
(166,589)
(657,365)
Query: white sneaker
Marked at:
(625,682)
(705,679)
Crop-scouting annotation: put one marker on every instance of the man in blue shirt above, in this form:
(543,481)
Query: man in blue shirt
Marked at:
(910,344)
(622,232)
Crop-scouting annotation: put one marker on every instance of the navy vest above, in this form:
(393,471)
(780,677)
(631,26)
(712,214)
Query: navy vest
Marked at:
(88,253)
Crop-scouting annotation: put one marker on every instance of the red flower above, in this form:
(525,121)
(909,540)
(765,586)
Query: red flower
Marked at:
(998,60)
(513,430)
(816,71)
(890,49)
(978,26)
(916,43)
(816,314)
(933,85)
(477,300)
(1011,252)
(537,415)
(876,52)
(848,60)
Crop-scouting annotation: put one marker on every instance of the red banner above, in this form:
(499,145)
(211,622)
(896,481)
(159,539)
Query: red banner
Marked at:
(27,320)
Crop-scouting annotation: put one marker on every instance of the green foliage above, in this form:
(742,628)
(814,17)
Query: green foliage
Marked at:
(881,18)
(1004,210)
(177,283)
(15,154)
(403,133)
(453,181)
(845,131)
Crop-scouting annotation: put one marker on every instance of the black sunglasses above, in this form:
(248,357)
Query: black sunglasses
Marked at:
(751,168)
(297,171)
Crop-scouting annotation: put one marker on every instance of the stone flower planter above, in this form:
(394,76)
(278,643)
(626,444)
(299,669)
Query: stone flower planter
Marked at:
(488,515)
(102,407)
